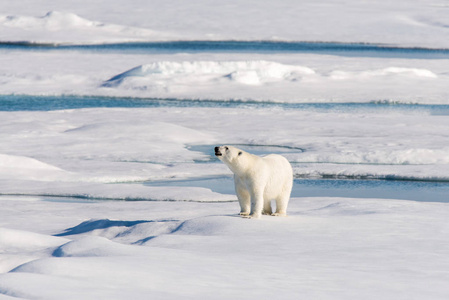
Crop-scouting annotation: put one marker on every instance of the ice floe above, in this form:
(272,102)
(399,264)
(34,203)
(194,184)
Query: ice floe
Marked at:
(408,23)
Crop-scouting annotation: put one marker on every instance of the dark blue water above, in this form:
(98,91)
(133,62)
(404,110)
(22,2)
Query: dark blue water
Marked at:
(48,103)
(345,49)
(423,191)
(426,191)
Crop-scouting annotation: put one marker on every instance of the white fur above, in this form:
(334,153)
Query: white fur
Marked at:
(258,180)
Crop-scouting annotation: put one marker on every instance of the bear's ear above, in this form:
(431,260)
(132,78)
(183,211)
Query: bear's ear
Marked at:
(240,153)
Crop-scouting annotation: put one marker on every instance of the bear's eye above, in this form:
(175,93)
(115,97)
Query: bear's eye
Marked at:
(226,148)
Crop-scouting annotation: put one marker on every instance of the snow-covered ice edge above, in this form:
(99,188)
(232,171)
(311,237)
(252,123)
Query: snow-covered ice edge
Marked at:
(56,28)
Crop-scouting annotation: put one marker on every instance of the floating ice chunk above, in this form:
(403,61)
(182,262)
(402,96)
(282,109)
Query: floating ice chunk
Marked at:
(401,71)
(386,72)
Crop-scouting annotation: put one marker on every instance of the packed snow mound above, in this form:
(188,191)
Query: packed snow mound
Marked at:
(30,244)
(91,246)
(127,232)
(65,27)
(244,72)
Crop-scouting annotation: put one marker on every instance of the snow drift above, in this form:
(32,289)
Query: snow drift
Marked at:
(297,78)
(262,80)
(244,72)
(165,73)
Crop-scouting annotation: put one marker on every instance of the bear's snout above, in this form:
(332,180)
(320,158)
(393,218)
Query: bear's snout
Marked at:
(217,151)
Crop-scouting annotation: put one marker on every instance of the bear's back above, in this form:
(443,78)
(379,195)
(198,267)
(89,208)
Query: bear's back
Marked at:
(276,159)
(278,163)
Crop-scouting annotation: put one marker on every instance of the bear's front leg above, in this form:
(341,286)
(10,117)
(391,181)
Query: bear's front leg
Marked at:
(243,196)
(256,205)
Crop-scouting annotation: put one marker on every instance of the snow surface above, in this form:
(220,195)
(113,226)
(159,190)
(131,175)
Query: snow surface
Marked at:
(328,248)
(65,234)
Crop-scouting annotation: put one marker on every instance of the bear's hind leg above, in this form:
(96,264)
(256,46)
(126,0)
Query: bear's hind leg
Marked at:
(281,206)
(283,198)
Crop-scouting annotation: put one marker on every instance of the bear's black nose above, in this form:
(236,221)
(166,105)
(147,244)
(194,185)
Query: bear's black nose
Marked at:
(217,151)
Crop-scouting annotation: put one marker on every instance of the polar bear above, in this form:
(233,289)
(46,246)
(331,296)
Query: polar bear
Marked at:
(258,180)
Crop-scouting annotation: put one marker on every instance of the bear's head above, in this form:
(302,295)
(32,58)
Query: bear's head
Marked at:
(231,156)
(227,153)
